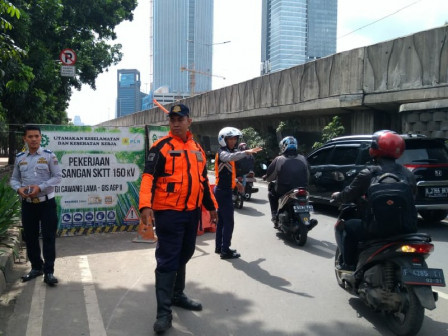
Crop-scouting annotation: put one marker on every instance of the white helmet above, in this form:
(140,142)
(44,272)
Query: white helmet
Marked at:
(228,132)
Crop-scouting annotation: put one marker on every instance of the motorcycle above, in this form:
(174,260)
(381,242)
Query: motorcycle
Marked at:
(294,215)
(391,276)
(237,198)
(249,188)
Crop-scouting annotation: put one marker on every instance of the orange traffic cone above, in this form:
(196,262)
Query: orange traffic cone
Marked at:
(145,234)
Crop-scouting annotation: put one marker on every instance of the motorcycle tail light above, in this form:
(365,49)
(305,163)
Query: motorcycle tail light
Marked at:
(302,192)
(416,248)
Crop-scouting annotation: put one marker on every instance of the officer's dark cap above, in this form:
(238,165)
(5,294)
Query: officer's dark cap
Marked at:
(180,110)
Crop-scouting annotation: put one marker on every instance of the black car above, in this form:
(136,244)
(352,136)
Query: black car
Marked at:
(336,163)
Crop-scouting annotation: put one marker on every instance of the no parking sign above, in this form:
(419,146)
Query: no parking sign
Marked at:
(68,56)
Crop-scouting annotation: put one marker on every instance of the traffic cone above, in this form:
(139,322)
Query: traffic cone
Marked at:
(145,234)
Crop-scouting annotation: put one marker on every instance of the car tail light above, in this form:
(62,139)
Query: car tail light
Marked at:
(416,248)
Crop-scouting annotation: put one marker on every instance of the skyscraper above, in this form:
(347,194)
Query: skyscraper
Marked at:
(181,47)
(296,31)
(129,98)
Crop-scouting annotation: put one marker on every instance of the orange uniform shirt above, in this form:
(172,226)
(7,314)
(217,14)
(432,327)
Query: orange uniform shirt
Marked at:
(175,176)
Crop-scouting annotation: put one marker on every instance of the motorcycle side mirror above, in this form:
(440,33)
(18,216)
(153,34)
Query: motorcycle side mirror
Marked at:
(263,166)
(212,160)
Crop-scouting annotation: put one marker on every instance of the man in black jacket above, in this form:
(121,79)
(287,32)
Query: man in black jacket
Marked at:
(289,170)
(386,147)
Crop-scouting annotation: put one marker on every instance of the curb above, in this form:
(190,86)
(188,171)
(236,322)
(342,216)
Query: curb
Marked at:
(7,258)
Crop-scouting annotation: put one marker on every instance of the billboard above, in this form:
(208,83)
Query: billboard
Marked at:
(101,175)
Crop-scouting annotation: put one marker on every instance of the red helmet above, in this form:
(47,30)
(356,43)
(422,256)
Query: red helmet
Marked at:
(386,144)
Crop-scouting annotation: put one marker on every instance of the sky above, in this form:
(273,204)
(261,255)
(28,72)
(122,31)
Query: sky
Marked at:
(360,23)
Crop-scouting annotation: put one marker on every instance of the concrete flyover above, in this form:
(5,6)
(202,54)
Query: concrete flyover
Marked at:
(401,84)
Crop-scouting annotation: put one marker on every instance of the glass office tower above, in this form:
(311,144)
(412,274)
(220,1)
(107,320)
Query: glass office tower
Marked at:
(296,31)
(182,45)
(128,92)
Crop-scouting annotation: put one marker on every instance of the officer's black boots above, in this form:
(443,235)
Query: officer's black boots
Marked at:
(179,298)
(164,292)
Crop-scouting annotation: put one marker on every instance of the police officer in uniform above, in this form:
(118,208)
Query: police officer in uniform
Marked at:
(174,187)
(225,173)
(36,173)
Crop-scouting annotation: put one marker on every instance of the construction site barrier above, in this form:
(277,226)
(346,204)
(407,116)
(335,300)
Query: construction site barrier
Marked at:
(145,234)
(207,224)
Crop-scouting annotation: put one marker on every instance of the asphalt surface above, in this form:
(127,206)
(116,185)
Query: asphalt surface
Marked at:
(276,288)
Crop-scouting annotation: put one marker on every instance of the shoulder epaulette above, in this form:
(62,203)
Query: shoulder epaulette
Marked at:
(20,154)
(48,151)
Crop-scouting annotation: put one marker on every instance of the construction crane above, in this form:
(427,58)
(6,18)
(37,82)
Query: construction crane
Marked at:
(193,73)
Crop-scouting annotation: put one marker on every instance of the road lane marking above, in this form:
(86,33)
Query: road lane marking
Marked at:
(35,319)
(94,317)
(441,294)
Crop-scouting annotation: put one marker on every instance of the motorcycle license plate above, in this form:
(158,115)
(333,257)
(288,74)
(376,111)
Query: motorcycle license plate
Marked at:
(423,276)
(303,208)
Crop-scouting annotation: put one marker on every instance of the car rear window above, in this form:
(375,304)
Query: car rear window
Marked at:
(424,151)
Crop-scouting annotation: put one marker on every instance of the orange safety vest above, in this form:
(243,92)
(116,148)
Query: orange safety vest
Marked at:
(219,166)
(174,176)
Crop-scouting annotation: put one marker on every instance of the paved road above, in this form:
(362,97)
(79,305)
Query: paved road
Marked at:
(107,287)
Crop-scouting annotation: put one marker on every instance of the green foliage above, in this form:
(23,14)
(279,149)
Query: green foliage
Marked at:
(253,139)
(332,130)
(32,89)
(9,206)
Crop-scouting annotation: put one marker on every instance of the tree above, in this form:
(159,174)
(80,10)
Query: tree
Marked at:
(8,49)
(332,130)
(32,90)
(253,139)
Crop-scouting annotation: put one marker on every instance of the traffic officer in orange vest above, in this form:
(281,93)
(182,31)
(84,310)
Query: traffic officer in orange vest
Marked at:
(174,187)
(225,173)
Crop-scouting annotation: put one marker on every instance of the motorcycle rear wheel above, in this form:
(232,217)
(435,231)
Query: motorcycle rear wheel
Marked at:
(337,261)
(300,236)
(409,321)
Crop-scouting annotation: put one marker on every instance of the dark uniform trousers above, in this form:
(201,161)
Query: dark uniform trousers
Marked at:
(41,216)
(176,232)
(226,222)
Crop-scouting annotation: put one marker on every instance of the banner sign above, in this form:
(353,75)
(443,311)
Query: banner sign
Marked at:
(101,175)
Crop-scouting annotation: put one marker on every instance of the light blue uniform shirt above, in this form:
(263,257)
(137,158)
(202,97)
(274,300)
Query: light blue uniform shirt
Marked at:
(41,168)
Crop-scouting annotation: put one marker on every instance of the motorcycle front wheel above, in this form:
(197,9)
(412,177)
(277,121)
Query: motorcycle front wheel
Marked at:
(300,236)
(409,320)
(239,201)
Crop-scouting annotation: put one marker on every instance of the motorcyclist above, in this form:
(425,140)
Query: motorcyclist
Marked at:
(244,165)
(386,147)
(289,170)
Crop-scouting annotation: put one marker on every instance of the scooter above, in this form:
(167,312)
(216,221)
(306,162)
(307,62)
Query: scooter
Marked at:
(294,215)
(249,188)
(391,276)
(237,198)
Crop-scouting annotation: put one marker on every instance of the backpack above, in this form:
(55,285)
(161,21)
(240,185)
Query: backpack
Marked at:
(390,206)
